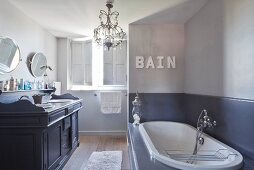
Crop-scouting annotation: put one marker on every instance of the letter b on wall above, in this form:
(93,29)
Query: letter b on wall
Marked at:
(140,62)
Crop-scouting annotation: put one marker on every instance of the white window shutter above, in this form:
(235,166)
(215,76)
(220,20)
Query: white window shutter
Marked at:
(88,62)
(115,65)
(81,54)
(77,63)
(108,67)
(120,64)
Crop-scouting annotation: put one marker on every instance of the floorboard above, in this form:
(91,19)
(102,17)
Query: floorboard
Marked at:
(89,144)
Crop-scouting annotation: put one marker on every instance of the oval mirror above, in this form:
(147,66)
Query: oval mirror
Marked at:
(38,64)
(9,55)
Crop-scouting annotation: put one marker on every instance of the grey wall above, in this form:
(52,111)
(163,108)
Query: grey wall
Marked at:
(219,60)
(91,119)
(219,50)
(156,40)
(29,36)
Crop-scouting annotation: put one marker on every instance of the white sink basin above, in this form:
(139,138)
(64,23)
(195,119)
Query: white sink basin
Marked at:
(45,105)
(60,100)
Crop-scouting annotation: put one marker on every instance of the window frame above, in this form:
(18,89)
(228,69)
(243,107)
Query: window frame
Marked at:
(97,70)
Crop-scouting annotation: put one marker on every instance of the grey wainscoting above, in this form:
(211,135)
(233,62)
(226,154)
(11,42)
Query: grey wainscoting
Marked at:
(235,121)
(160,106)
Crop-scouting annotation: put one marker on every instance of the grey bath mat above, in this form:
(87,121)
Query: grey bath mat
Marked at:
(105,160)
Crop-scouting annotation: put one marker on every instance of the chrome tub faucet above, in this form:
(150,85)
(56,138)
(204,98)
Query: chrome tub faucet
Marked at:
(205,121)
(202,123)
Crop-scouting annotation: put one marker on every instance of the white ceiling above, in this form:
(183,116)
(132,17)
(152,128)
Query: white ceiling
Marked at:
(178,14)
(77,18)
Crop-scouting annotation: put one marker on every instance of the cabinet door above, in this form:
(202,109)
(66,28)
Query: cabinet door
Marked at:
(74,130)
(20,149)
(54,149)
(66,138)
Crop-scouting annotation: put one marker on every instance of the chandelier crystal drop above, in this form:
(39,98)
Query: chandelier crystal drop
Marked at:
(108,33)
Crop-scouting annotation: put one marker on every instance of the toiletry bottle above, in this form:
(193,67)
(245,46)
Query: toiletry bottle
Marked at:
(42,85)
(1,85)
(21,84)
(29,85)
(6,86)
(11,87)
(25,85)
(19,88)
(16,85)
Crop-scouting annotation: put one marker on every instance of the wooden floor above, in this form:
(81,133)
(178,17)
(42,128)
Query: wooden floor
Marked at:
(89,144)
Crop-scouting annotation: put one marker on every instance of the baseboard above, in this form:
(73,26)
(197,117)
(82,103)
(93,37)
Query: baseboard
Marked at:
(109,133)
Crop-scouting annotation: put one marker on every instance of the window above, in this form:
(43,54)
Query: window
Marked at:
(93,67)
(81,58)
(114,67)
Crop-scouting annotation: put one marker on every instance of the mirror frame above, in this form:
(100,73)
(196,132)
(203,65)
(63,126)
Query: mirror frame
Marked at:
(20,59)
(30,62)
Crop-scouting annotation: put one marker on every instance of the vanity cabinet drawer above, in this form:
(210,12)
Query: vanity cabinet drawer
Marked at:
(56,115)
(69,110)
(76,106)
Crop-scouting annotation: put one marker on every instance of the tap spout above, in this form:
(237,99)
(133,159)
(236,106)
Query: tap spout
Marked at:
(24,96)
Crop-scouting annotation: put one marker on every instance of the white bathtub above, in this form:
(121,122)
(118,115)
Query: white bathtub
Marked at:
(171,143)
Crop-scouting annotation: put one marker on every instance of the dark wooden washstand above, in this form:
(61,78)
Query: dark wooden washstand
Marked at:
(34,138)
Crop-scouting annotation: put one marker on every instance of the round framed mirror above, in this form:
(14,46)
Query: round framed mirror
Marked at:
(9,55)
(38,64)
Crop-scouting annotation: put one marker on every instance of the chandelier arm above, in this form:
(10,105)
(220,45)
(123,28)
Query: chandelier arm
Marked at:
(120,30)
(115,13)
(103,12)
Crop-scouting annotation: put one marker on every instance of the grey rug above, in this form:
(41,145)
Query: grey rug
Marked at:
(105,160)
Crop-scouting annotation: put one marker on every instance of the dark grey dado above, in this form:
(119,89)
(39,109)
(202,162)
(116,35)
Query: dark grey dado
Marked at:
(160,106)
(235,121)
(235,117)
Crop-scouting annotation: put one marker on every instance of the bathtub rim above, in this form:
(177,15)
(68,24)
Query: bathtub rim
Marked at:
(237,163)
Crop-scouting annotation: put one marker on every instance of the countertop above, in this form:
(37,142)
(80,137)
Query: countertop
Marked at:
(23,113)
(60,105)
(26,107)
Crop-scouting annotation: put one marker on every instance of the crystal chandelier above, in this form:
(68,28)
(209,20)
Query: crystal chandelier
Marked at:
(108,32)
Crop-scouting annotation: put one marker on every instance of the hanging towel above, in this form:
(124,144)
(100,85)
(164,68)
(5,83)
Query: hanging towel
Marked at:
(111,102)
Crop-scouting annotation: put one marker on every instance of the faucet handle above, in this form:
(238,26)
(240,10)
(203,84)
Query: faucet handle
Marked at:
(214,123)
(205,111)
